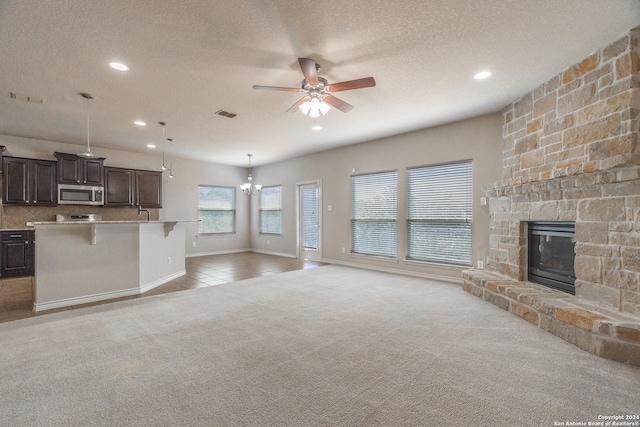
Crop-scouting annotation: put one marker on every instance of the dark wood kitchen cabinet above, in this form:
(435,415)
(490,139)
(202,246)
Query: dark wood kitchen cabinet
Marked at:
(149,189)
(119,187)
(29,182)
(131,187)
(17,253)
(73,169)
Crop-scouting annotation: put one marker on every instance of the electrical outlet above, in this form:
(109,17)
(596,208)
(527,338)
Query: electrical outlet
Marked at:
(344,250)
(194,244)
(168,260)
(267,242)
(480,265)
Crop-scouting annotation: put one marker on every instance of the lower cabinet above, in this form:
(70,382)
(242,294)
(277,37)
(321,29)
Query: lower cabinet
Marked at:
(17,253)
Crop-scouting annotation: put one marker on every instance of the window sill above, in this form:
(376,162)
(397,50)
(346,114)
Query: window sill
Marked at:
(215,235)
(394,260)
(453,267)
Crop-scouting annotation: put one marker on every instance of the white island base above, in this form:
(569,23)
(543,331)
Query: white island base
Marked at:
(78,263)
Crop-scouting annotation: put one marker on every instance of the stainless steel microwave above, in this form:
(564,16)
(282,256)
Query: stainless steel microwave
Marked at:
(80,195)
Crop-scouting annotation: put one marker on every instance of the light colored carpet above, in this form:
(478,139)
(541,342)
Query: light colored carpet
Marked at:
(328,346)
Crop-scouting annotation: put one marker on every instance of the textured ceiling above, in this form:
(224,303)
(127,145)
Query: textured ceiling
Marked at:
(191,58)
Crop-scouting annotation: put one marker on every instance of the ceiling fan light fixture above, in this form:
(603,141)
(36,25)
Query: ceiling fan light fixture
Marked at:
(314,107)
(324,107)
(305,107)
(319,96)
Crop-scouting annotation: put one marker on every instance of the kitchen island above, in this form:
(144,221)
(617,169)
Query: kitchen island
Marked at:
(81,262)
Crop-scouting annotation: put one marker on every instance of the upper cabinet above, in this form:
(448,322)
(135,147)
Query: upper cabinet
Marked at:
(80,170)
(35,182)
(149,189)
(119,186)
(29,182)
(130,187)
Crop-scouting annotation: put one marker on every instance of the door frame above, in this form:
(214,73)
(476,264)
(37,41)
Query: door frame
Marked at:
(299,185)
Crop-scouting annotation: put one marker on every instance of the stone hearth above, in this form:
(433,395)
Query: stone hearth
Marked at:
(570,153)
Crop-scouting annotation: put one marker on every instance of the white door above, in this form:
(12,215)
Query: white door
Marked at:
(309,221)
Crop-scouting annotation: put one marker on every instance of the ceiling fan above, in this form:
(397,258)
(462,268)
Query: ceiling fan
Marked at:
(319,99)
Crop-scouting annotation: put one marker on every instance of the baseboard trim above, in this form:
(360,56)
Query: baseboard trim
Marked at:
(162,281)
(68,302)
(85,299)
(231,251)
(457,281)
(282,254)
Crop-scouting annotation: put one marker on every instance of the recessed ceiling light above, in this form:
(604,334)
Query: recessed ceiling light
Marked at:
(151,146)
(139,123)
(482,75)
(316,127)
(118,66)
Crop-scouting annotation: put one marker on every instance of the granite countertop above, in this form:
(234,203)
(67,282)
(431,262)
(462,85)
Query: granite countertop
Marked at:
(161,221)
(27,228)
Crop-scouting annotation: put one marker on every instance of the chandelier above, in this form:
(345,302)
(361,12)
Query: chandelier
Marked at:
(249,187)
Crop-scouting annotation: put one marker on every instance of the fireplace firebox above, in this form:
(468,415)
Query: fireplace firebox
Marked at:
(552,254)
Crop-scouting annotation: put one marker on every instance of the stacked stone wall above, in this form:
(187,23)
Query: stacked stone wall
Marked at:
(582,120)
(570,153)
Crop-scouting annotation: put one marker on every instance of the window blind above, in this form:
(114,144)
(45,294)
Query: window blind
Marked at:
(439,213)
(309,218)
(271,210)
(216,209)
(374,207)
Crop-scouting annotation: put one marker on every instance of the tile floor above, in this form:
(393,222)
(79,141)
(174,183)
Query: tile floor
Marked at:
(16,295)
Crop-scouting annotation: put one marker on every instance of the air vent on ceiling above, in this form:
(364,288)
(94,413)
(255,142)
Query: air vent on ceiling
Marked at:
(225,114)
(26,98)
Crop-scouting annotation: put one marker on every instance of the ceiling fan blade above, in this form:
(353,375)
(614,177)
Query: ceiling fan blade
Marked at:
(337,103)
(286,89)
(295,106)
(352,84)
(308,67)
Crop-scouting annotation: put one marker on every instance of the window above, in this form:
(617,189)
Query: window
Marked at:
(439,204)
(216,210)
(374,205)
(271,210)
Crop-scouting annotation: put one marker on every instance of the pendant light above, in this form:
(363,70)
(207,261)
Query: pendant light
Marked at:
(171,164)
(163,167)
(87,153)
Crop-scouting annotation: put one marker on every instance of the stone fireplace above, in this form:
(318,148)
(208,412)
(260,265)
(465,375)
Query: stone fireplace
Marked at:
(551,254)
(570,153)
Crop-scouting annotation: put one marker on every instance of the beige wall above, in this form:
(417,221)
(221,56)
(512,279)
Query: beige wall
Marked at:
(478,139)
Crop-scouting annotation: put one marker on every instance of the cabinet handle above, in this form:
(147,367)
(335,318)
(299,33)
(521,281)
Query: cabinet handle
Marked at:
(16,236)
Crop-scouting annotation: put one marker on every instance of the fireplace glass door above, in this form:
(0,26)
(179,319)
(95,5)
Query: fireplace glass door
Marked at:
(551,255)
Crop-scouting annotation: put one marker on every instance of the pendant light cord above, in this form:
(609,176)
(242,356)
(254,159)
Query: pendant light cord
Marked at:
(88,132)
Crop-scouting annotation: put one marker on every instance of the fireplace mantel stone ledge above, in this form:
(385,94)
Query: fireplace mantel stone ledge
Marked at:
(599,331)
